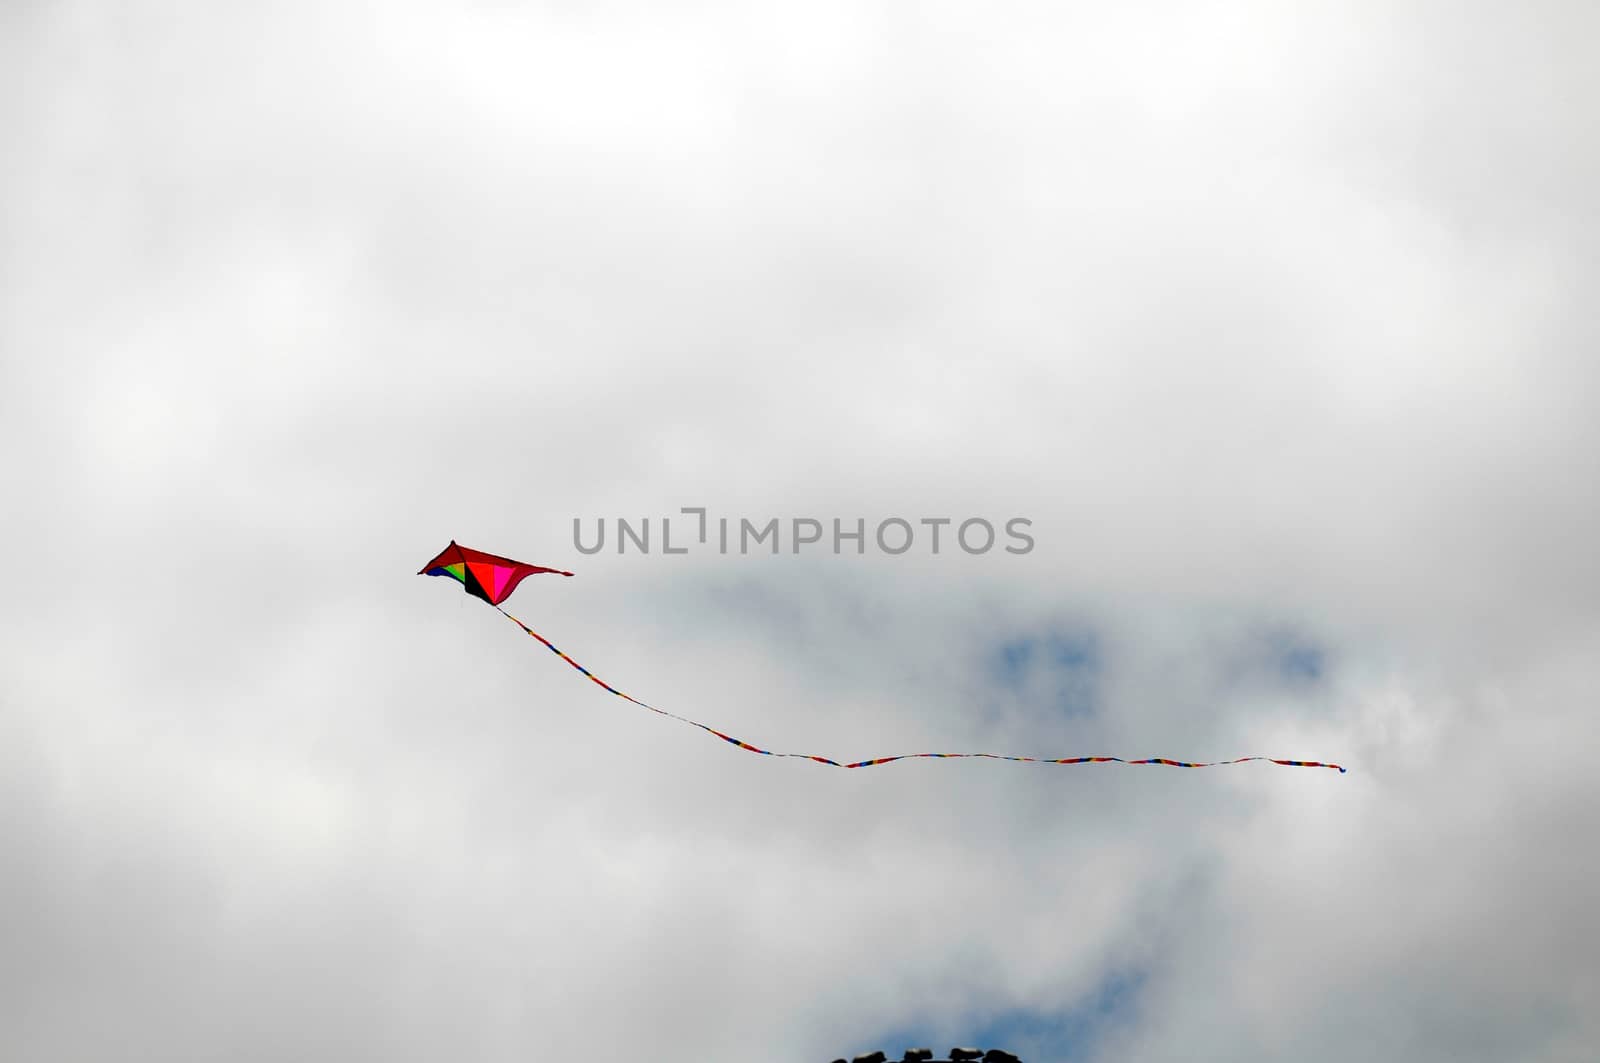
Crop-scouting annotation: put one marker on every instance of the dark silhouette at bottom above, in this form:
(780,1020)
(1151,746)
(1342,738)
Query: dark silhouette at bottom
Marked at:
(925,1055)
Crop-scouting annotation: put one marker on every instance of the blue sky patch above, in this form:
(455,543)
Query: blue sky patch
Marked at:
(1059,668)
(1294,657)
(1034,1035)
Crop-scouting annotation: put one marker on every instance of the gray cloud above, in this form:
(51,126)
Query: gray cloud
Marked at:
(1273,322)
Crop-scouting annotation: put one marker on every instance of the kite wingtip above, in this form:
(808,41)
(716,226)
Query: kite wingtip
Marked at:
(1341,771)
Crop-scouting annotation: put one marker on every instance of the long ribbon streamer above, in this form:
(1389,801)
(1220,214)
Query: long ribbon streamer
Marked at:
(903,756)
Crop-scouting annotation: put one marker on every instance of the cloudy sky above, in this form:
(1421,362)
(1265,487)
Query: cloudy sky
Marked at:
(1274,319)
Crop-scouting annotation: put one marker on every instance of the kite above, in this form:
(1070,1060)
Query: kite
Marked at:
(493,578)
(486,576)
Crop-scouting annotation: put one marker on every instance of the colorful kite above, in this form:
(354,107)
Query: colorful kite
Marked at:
(485,576)
(493,578)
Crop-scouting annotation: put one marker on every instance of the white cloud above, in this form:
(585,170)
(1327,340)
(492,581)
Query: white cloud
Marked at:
(1272,322)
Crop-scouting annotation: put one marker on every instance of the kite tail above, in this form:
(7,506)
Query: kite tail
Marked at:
(903,756)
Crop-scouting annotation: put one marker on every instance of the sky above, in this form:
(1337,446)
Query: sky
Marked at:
(1274,321)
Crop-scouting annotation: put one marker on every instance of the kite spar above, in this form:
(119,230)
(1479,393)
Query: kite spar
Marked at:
(493,578)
